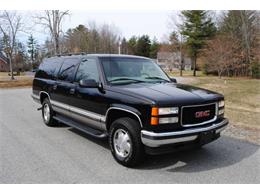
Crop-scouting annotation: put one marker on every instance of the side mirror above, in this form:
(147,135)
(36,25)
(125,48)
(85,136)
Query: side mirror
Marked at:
(173,80)
(88,83)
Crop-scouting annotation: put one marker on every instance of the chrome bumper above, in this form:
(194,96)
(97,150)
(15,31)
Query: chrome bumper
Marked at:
(152,139)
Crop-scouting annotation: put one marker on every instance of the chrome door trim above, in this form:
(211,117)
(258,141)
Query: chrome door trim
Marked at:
(76,110)
(91,115)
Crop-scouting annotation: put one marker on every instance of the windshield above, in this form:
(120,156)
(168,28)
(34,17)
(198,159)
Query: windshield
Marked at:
(122,70)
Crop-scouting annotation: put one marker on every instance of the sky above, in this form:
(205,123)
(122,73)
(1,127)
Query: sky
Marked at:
(154,23)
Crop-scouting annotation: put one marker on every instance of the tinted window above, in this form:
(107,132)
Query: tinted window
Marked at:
(87,70)
(67,69)
(49,68)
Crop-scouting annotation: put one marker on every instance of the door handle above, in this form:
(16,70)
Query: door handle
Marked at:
(72,91)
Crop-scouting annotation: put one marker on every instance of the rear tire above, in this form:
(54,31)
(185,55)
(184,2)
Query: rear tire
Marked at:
(125,142)
(48,113)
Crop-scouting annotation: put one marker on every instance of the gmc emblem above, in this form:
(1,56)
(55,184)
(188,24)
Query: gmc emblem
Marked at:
(202,114)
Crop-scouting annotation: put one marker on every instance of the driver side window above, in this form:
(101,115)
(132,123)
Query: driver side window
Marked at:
(87,70)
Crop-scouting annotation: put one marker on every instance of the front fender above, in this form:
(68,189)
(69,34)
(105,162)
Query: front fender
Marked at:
(125,108)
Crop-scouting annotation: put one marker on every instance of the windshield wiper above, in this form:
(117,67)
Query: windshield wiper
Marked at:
(158,78)
(125,79)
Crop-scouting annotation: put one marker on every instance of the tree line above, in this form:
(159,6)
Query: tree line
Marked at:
(225,44)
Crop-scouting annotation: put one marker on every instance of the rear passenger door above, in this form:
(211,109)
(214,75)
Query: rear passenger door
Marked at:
(64,86)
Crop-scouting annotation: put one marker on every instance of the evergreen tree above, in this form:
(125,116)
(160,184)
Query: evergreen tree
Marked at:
(143,46)
(197,28)
(154,48)
(131,45)
(32,48)
(124,49)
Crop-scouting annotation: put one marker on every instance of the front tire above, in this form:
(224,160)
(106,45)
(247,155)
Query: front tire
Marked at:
(48,113)
(125,142)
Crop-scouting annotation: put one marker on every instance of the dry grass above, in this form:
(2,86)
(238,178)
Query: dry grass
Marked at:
(242,97)
(5,74)
(16,83)
(20,81)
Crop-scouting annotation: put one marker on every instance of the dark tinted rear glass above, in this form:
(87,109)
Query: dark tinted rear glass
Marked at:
(49,68)
(67,69)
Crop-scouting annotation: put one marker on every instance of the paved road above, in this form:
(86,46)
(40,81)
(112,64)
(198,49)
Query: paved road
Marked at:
(31,152)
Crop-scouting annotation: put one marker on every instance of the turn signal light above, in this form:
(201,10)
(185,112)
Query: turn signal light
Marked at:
(155,111)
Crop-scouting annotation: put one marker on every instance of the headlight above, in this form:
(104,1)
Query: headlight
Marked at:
(221,103)
(170,110)
(158,112)
(221,108)
(168,120)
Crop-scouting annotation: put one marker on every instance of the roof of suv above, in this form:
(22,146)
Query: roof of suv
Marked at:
(101,55)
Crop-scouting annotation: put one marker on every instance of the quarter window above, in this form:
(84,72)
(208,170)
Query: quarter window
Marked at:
(67,69)
(49,68)
(87,70)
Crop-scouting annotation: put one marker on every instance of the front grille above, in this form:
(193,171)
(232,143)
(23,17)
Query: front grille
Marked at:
(198,114)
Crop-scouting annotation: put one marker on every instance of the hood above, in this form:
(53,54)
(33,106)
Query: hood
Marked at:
(169,93)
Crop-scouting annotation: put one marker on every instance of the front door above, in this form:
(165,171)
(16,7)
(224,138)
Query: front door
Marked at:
(86,102)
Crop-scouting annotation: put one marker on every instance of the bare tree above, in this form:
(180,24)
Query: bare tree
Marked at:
(221,54)
(10,25)
(176,38)
(52,20)
(92,38)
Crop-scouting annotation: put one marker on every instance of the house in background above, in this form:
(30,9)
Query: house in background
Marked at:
(172,60)
(4,66)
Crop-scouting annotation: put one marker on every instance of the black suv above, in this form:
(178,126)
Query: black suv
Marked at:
(128,99)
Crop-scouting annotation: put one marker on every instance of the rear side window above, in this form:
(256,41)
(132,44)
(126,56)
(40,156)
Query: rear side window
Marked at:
(67,69)
(87,70)
(49,68)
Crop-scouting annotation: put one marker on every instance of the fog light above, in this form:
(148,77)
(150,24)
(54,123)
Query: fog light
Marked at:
(221,111)
(168,120)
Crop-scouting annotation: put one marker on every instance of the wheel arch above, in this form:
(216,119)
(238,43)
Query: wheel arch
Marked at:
(43,95)
(119,111)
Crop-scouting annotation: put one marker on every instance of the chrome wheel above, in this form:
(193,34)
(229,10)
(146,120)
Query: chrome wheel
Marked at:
(46,112)
(122,143)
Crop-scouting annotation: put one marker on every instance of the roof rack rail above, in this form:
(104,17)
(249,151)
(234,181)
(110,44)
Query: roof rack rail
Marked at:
(70,54)
(67,54)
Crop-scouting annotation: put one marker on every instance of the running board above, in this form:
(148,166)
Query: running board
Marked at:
(88,130)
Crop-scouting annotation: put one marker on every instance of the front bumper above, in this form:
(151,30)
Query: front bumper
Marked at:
(152,139)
